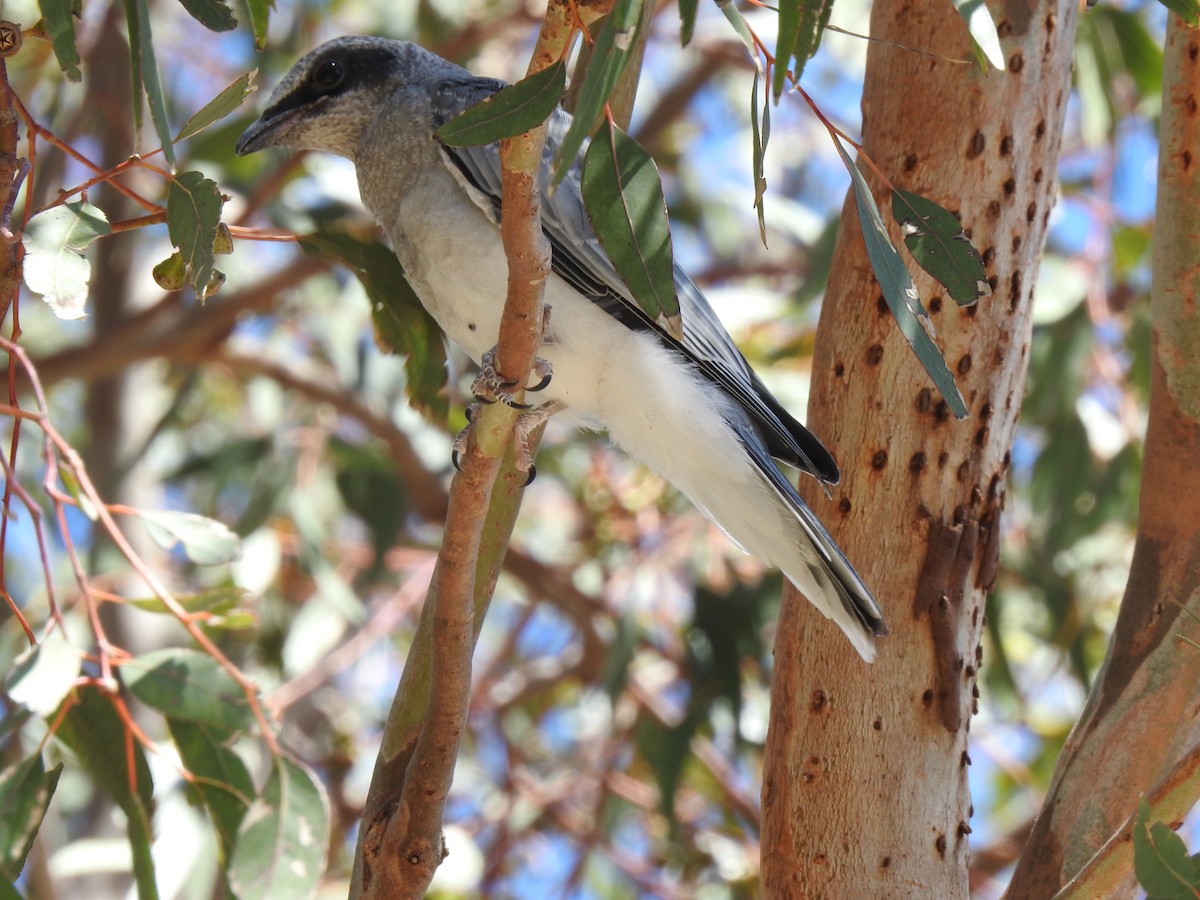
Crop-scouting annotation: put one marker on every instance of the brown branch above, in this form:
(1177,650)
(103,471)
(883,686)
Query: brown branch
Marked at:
(400,843)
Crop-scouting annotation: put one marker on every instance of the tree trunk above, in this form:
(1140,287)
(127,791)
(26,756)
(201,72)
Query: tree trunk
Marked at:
(1147,693)
(865,783)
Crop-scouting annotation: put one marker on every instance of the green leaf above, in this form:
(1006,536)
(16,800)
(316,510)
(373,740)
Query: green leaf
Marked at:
(983,30)
(94,731)
(512,111)
(220,781)
(212,14)
(402,324)
(761,135)
(172,273)
(8,892)
(743,30)
(219,107)
(937,242)
(25,791)
(1188,10)
(43,675)
(1160,859)
(899,290)
(801,24)
(260,11)
(60,18)
(281,846)
(218,599)
(193,219)
(687,20)
(146,70)
(205,541)
(191,686)
(55,266)
(624,200)
(609,58)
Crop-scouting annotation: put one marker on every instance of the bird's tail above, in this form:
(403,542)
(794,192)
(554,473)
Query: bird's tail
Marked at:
(818,567)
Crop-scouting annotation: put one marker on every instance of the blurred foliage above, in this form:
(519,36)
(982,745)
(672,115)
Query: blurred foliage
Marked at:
(620,703)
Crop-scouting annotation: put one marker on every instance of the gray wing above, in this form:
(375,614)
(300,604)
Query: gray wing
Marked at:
(579,259)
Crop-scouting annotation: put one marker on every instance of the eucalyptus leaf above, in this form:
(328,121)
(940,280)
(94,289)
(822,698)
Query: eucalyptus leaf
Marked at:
(624,200)
(214,15)
(43,675)
(1160,859)
(801,24)
(60,16)
(146,70)
(25,791)
(899,290)
(514,110)
(206,541)
(97,735)
(609,57)
(219,107)
(190,686)
(220,780)
(983,30)
(402,324)
(260,12)
(193,223)
(281,848)
(937,242)
(55,266)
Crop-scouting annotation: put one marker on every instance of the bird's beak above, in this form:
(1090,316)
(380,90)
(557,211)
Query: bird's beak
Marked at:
(267,131)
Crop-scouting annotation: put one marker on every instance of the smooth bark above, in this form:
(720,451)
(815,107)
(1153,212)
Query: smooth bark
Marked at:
(1143,713)
(865,784)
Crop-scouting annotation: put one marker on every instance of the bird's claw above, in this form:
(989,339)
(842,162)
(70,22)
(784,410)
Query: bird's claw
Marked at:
(527,423)
(489,386)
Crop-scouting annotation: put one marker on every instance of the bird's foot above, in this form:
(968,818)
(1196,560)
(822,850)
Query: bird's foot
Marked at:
(527,423)
(489,386)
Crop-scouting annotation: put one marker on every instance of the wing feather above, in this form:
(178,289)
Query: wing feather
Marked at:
(580,260)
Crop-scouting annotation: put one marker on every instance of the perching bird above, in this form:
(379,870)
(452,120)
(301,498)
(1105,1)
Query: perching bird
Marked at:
(691,410)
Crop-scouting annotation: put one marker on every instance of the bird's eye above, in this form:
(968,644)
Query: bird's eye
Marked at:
(329,75)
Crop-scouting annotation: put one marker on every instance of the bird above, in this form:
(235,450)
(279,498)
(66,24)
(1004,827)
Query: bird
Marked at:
(689,407)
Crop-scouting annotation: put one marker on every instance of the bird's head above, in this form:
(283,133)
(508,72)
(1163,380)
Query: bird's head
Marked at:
(332,95)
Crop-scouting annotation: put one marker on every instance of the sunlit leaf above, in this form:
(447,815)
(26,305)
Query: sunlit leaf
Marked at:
(60,16)
(214,15)
(55,266)
(734,16)
(193,218)
(402,325)
(190,686)
(219,107)
(983,30)
(205,541)
(624,200)
(512,111)
(899,290)
(25,791)
(1160,859)
(609,58)
(281,844)
(43,675)
(937,242)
